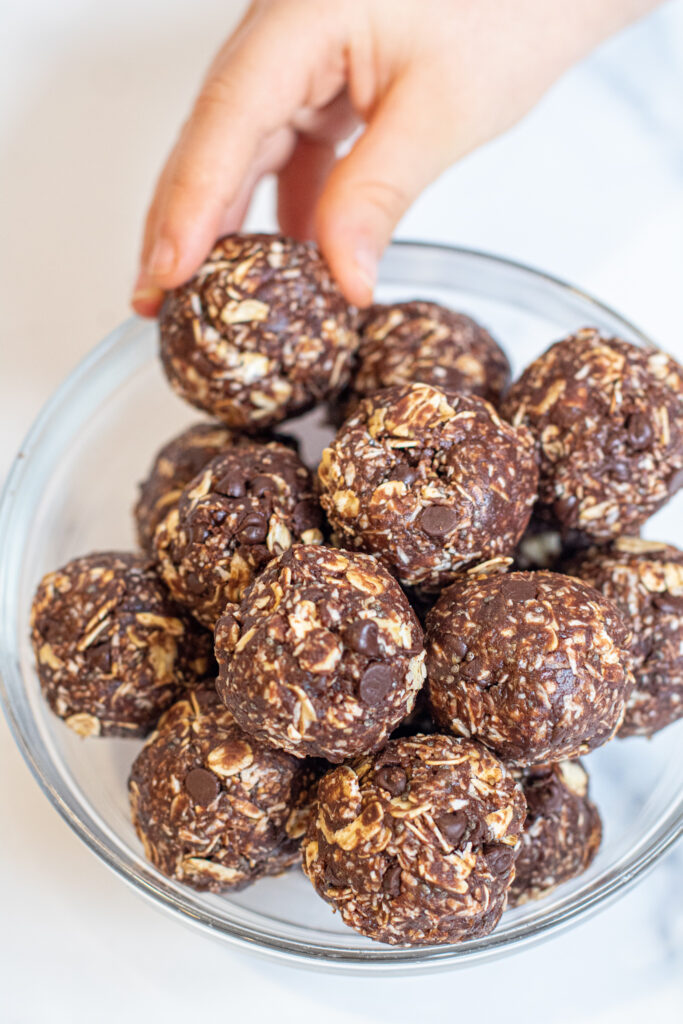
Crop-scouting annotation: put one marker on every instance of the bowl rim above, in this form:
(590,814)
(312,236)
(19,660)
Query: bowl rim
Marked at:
(376,960)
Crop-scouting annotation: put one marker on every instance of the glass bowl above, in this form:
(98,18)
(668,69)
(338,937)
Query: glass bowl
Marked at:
(70,491)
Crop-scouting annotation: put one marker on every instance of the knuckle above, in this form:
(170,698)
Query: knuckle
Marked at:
(387,196)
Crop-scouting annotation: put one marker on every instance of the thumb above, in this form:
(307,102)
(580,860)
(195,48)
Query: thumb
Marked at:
(408,143)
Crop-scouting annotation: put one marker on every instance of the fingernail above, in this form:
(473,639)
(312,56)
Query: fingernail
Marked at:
(162,257)
(147,294)
(366,265)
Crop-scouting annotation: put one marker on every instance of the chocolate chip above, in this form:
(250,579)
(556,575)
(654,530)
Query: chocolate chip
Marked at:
(376,684)
(197,534)
(362,637)
(498,858)
(392,778)
(333,879)
(203,786)
(459,647)
(194,583)
(669,604)
(391,882)
(261,485)
(471,670)
(544,798)
(306,515)
(438,520)
(233,484)
(452,826)
(253,528)
(638,431)
(405,473)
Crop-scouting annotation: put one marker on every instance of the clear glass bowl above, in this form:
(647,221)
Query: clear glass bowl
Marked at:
(70,492)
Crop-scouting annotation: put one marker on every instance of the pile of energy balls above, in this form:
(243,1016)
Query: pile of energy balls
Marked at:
(384,671)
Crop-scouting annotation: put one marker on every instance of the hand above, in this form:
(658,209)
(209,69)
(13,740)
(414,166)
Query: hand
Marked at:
(430,80)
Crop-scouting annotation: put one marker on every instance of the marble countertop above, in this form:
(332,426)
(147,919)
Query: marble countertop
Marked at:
(588,187)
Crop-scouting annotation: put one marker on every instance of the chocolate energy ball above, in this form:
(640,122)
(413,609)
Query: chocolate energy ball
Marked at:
(113,650)
(428,483)
(174,466)
(535,665)
(324,657)
(213,807)
(246,506)
(417,844)
(608,418)
(260,333)
(422,341)
(645,581)
(562,832)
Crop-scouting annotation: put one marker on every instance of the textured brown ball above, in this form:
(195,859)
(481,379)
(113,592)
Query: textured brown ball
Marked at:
(324,656)
(417,844)
(608,418)
(174,466)
(246,506)
(645,581)
(428,483)
(562,831)
(260,333)
(213,807)
(535,665)
(420,341)
(113,650)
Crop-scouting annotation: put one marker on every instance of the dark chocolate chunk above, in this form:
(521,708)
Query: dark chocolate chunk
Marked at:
(392,778)
(376,683)
(203,786)
(362,636)
(438,520)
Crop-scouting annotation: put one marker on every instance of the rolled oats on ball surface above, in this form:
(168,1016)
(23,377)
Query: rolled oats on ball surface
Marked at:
(260,333)
(608,419)
(213,807)
(419,341)
(323,657)
(174,466)
(113,650)
(416,845)
(246,506)
(645,580)
(428,483)
(562,831)
(535,665)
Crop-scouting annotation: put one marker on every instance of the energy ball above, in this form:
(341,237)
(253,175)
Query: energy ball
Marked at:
(428,483)
(259,334)
(213,807)
(324,656)
(417,844)
(424,342)
(174,466)
(534,665)
(562,832)
(246,506)
(608,418)
(645,581)
(113,650)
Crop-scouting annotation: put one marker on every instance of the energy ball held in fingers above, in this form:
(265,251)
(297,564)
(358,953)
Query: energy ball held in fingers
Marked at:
(423,342)
(174,466)
(324,656)
(535,665)
(645,581)
(608,418)
(213,807)
(562,831)
(259,334)
(417,844)
(429,483)
(246,506)
(113,650)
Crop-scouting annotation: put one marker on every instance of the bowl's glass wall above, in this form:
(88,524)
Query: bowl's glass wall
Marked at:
(71,492)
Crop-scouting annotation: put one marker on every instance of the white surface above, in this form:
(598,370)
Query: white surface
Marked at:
(589,187)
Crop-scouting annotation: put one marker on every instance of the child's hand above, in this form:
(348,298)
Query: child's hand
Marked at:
(431,80)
